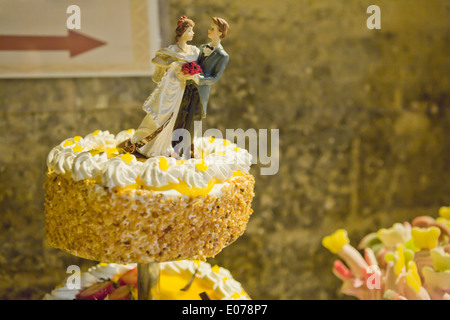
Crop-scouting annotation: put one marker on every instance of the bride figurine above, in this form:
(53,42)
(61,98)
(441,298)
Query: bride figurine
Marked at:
(154,135)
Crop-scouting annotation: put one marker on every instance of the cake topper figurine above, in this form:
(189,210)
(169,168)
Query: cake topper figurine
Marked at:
(212,60)
(184,74)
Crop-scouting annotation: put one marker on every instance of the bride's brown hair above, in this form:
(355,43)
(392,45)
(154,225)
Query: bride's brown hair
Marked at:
(183,24)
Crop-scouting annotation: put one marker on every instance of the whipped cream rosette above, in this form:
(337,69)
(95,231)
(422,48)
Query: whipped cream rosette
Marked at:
(99,140)
(196,173)
(121,171)
(124,135)
(61,160)
(160,172)
(88,166)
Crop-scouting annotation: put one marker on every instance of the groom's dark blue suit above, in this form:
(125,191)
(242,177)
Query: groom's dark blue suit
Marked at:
(195,98)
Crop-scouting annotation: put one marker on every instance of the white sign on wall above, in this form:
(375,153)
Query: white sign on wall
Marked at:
(77,38)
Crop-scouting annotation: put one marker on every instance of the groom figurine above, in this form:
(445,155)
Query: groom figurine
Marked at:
(213,60)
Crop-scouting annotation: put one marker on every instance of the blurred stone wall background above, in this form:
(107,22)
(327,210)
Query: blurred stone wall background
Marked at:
(364,119)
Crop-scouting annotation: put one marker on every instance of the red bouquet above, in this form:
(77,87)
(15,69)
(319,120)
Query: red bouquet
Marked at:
(191,68)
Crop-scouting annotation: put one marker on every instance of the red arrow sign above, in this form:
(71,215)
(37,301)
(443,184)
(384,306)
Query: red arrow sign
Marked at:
(75,42)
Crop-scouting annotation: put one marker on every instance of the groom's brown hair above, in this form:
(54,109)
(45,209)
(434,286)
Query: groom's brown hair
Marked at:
(222,26)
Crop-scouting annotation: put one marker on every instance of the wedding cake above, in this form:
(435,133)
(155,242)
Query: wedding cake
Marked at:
(118,208)
(180,280)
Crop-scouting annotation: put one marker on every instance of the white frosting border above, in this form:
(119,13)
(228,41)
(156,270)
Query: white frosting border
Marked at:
(214,158)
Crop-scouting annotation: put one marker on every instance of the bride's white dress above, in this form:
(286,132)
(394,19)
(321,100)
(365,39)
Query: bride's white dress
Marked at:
(164,101)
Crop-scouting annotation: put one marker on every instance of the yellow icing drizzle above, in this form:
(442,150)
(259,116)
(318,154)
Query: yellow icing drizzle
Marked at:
(215,268)
(201,166)
(127,158)
(235,295)
(94,152)
(172,283)
(163,165)
(77,148)
(237,173)
(112,150)
(68,143)
(131,186)
(183,188)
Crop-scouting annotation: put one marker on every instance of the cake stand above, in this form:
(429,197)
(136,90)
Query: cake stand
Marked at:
(148,281)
